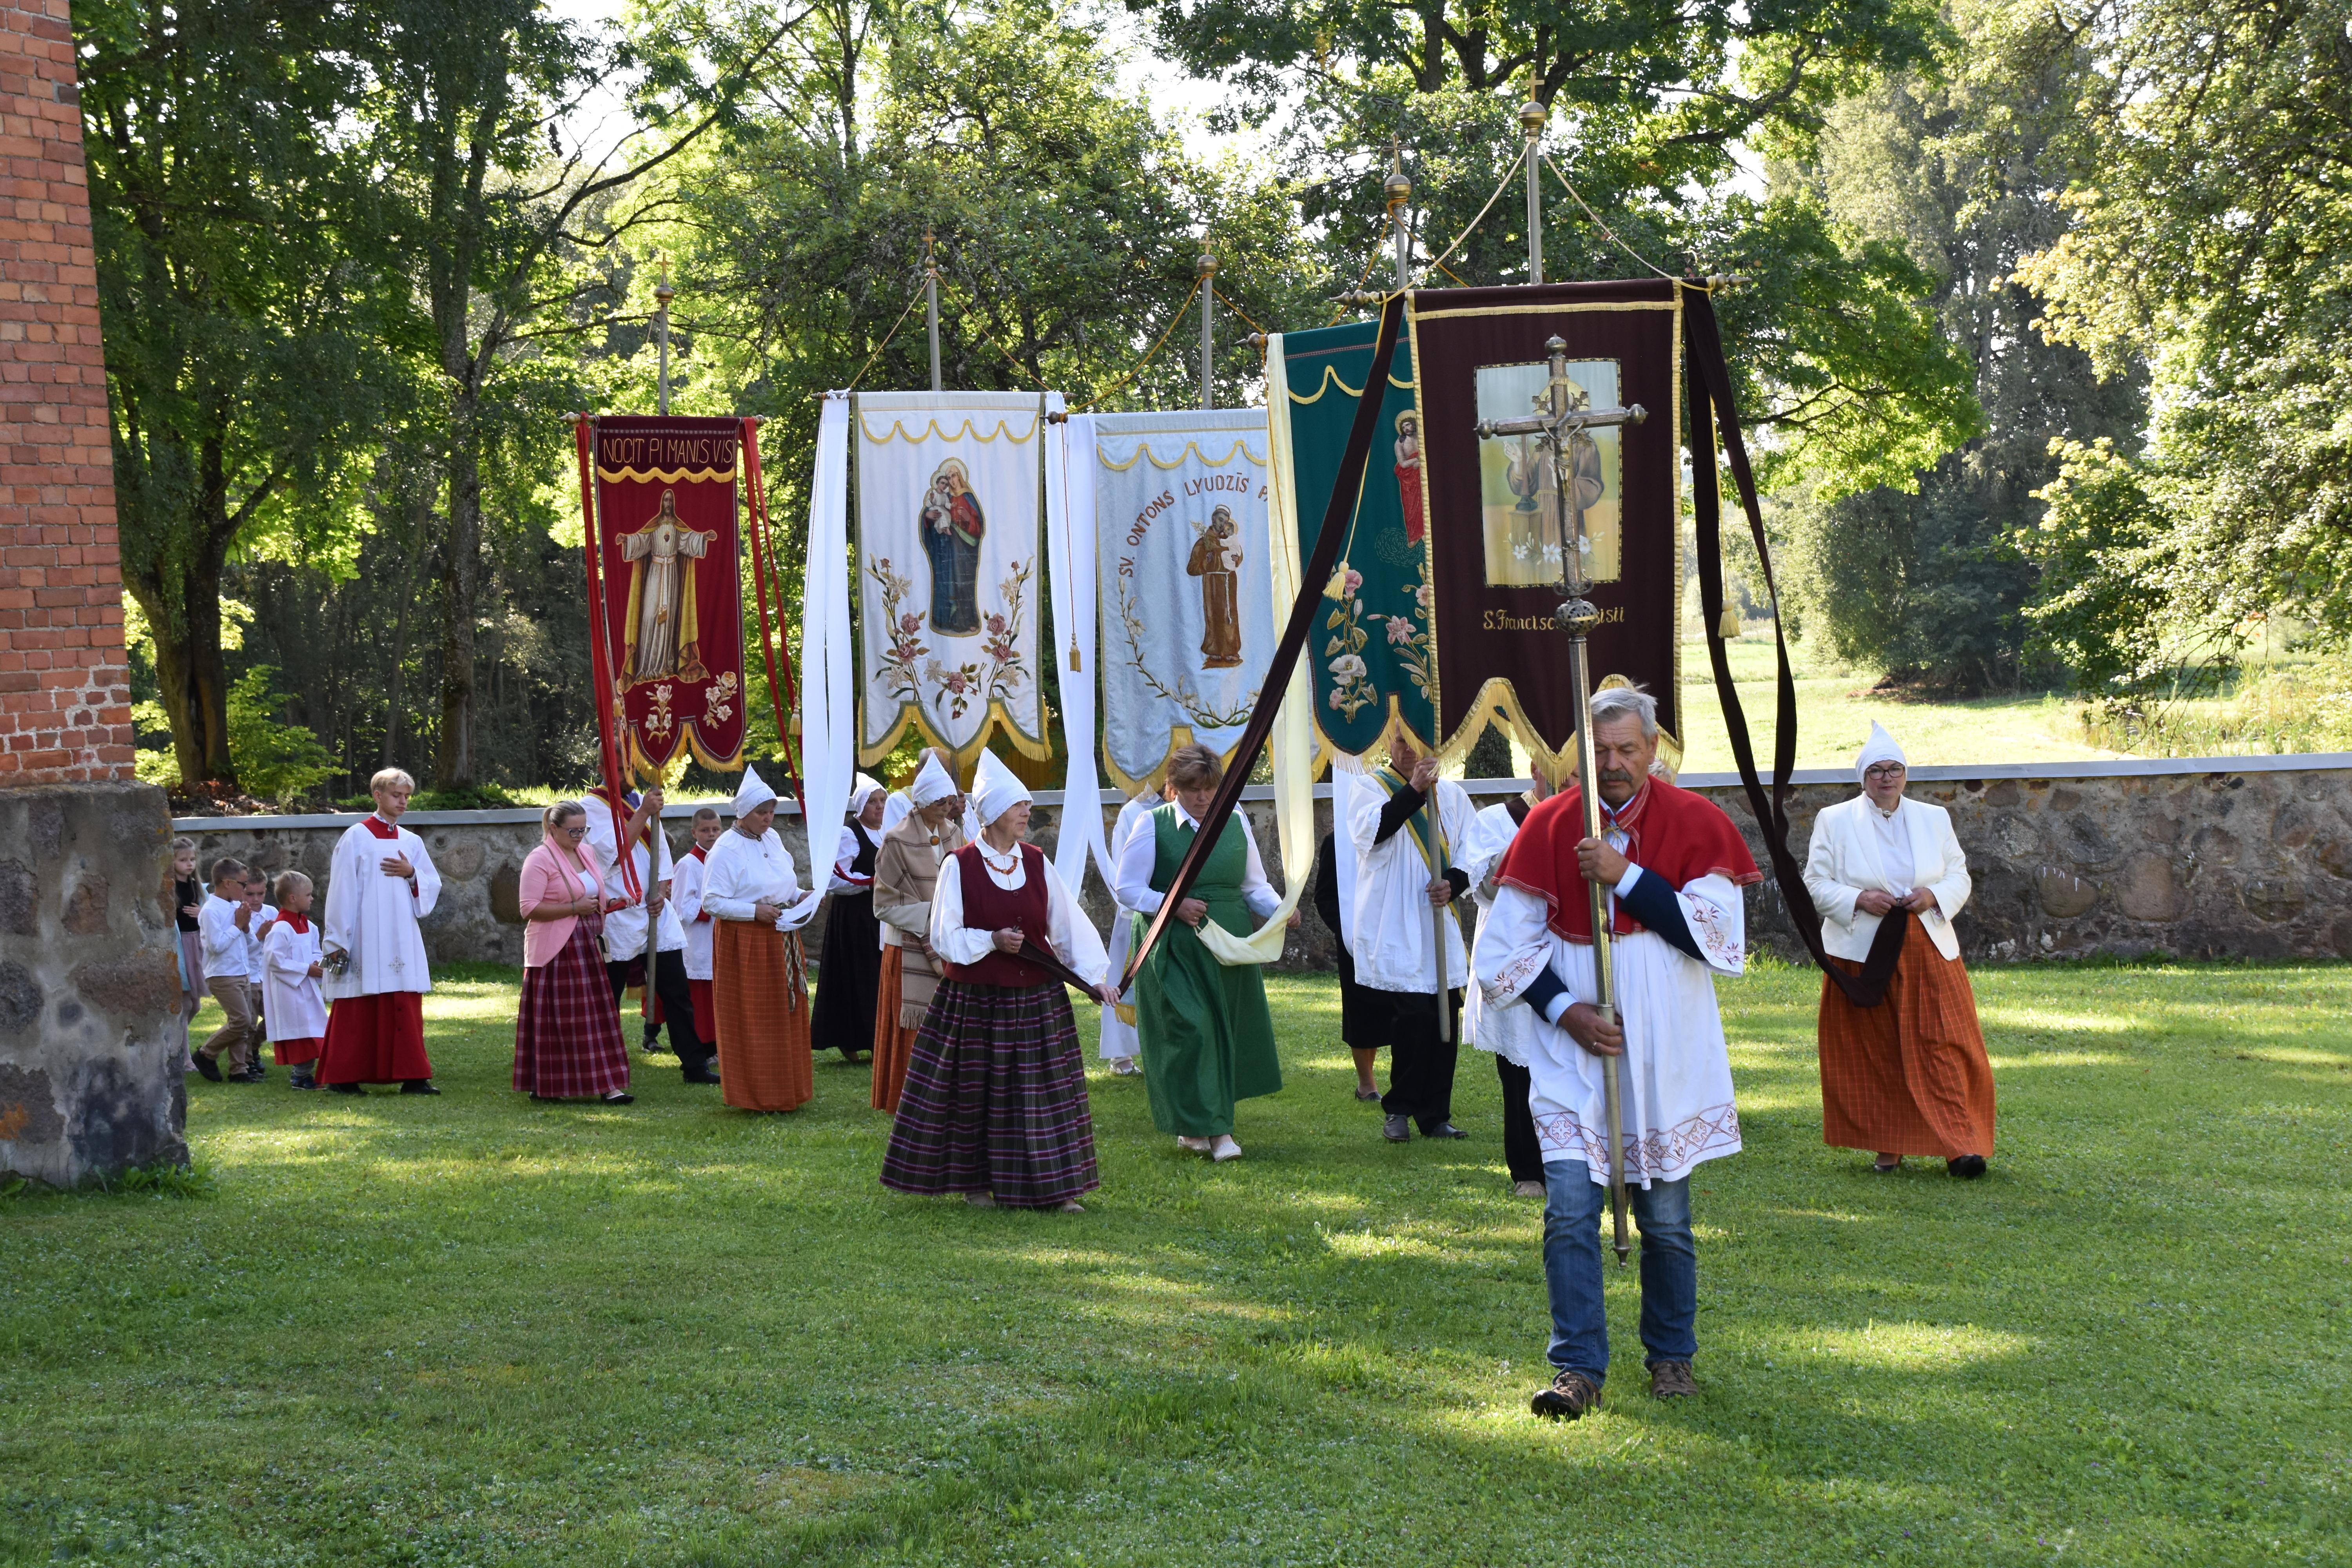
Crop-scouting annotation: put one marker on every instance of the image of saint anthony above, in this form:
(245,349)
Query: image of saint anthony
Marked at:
(952,528)
(663,636)
(1217,564)
(1408,473)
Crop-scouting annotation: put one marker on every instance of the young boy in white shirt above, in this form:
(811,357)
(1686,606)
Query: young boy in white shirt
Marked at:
(224,922)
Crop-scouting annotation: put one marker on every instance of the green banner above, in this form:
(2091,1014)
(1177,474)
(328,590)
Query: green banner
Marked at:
(1370,653)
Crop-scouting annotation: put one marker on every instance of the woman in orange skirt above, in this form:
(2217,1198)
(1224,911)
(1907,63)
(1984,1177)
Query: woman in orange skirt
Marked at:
(1908,1076)
(759,983)
(904,874)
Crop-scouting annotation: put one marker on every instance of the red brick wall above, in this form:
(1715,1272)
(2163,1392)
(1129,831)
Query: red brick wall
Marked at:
(65,698)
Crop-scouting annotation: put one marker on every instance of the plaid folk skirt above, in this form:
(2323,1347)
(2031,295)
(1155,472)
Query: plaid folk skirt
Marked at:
(760,995)
(1910,1075)
(568,1042)
(995,1099)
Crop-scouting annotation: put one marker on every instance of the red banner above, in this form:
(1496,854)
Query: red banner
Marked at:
(666,582)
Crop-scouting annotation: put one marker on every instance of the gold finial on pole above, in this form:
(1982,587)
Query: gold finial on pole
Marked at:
(1398,190)
(931,303)
(1532,117)
(1205,270)
(663,295)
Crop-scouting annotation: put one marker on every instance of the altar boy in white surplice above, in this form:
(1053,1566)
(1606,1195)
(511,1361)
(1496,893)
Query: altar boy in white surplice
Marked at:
(1674,865)
(382,884)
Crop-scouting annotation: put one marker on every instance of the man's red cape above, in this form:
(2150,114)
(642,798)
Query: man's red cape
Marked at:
(1671,832)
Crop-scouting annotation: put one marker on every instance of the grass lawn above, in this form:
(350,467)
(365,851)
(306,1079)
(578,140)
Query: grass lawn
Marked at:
(473,1330)
(1835,706)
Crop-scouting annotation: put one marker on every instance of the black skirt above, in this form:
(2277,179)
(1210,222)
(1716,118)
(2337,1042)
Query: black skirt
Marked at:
(848,978)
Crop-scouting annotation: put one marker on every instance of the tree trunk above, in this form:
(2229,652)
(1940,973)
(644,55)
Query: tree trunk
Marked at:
(461,577)
(420,518)
(191,678)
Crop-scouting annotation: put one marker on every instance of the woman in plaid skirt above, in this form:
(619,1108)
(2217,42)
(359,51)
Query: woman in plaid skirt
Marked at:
(568,1041)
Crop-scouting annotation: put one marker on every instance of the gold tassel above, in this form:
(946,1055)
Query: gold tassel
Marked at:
(1730,625)
(1076,664)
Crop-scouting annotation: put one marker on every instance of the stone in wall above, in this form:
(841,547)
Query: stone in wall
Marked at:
(89,993)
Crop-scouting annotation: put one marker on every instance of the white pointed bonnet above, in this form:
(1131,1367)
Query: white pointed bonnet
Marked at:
(753,793)
(995,790)
(864,789)
(1879,748)
(932,784)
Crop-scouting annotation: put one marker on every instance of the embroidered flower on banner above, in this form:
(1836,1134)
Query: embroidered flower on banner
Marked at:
(902,659)
(1351,678)
(719,699)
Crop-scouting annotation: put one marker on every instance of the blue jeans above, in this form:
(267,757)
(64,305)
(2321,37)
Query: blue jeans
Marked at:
(1573,1208)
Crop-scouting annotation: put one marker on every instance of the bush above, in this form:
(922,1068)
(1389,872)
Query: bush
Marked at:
(275,760)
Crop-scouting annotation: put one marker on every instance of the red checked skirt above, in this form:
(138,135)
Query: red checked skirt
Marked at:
(377,1038)
(568,1042)
(1910,1075)
(760,997)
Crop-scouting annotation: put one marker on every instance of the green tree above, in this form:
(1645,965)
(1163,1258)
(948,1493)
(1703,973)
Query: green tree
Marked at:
(1649,103)
(2212,237)
(238,320)
(1958,166)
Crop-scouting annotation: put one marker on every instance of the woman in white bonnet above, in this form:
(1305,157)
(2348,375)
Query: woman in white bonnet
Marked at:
(1908,1076)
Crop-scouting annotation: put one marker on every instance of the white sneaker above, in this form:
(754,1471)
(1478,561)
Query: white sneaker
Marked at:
(1224,1148)
(1193,1145)
(1126,1067)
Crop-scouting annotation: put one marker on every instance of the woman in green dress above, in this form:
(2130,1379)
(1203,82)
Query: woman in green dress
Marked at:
(1208,1040)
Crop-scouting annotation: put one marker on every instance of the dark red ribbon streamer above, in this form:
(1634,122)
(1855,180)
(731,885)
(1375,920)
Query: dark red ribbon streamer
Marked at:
(1317,571)
(1710,407)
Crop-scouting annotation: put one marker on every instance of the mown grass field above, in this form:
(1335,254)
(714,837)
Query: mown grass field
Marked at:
(475,1331)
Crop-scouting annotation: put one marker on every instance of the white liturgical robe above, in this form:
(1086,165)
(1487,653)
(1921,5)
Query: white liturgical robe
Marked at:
(1388,930)
(1502,1030)
(291,1004)
(624,929)
(685,892)
(373,917)
(1676,1077)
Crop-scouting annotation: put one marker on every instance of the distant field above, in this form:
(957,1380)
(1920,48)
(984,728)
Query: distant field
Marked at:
(1834,707)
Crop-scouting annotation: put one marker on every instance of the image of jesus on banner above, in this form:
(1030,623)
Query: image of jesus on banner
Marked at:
(663,635)
(951,531)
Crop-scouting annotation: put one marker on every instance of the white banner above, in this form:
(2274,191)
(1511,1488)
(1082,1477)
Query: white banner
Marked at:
(949,569)
(1187,586)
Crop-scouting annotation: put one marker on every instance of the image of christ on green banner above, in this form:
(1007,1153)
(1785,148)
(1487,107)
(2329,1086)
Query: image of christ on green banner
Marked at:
(1371,652)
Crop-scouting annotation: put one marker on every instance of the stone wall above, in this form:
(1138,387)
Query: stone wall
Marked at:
(2244,857)
(90,991)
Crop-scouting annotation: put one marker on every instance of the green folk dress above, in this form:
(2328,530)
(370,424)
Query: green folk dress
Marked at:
(1208,1040)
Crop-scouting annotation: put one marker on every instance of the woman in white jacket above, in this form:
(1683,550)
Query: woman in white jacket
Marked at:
(1908,1076)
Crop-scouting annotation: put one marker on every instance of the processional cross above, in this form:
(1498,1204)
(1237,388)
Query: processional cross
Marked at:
(1554,429)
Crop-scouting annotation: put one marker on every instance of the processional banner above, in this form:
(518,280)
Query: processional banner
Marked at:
(1498,514)
(1372,658)
(949,525)
(671,619)
(1187,607)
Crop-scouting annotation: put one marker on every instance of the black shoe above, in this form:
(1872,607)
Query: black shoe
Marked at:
(700,1075)
(1397,1128)
(346,1088)
(208,1065)
(1571,1394)
(250,1075)
(301,1081)
(1967,1167)
(418,1086)
(1444,1129)
(620,1097)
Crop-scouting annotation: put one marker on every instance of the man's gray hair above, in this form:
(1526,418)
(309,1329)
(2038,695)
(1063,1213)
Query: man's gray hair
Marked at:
(1616,701)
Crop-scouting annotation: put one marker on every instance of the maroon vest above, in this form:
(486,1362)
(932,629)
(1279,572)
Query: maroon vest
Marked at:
(987,907)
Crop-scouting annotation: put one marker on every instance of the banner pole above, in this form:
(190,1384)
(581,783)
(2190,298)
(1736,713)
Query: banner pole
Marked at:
(1532,116)
(1205,270)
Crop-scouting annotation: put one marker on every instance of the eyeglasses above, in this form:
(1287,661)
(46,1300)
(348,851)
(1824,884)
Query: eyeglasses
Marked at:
(1883,770)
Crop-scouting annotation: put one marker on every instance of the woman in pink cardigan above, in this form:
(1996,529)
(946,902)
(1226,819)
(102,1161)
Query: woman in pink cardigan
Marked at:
(568,1041)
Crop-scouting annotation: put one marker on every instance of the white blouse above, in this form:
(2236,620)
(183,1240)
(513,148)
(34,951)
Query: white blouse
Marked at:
(1074,940)
(743,872)
(1140,855)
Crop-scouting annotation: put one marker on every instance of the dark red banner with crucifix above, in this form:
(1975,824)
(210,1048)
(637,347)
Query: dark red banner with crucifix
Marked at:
(667,588)
(1499,507)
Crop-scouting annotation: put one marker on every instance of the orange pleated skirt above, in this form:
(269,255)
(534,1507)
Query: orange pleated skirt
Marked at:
(761,1003)
(1910,1075)
(893,1045)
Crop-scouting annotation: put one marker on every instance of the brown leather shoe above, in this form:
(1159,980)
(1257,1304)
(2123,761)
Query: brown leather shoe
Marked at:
(1671,1379)
(1571,1394)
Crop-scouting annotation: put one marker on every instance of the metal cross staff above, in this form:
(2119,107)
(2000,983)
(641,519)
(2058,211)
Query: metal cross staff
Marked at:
(1557,430)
